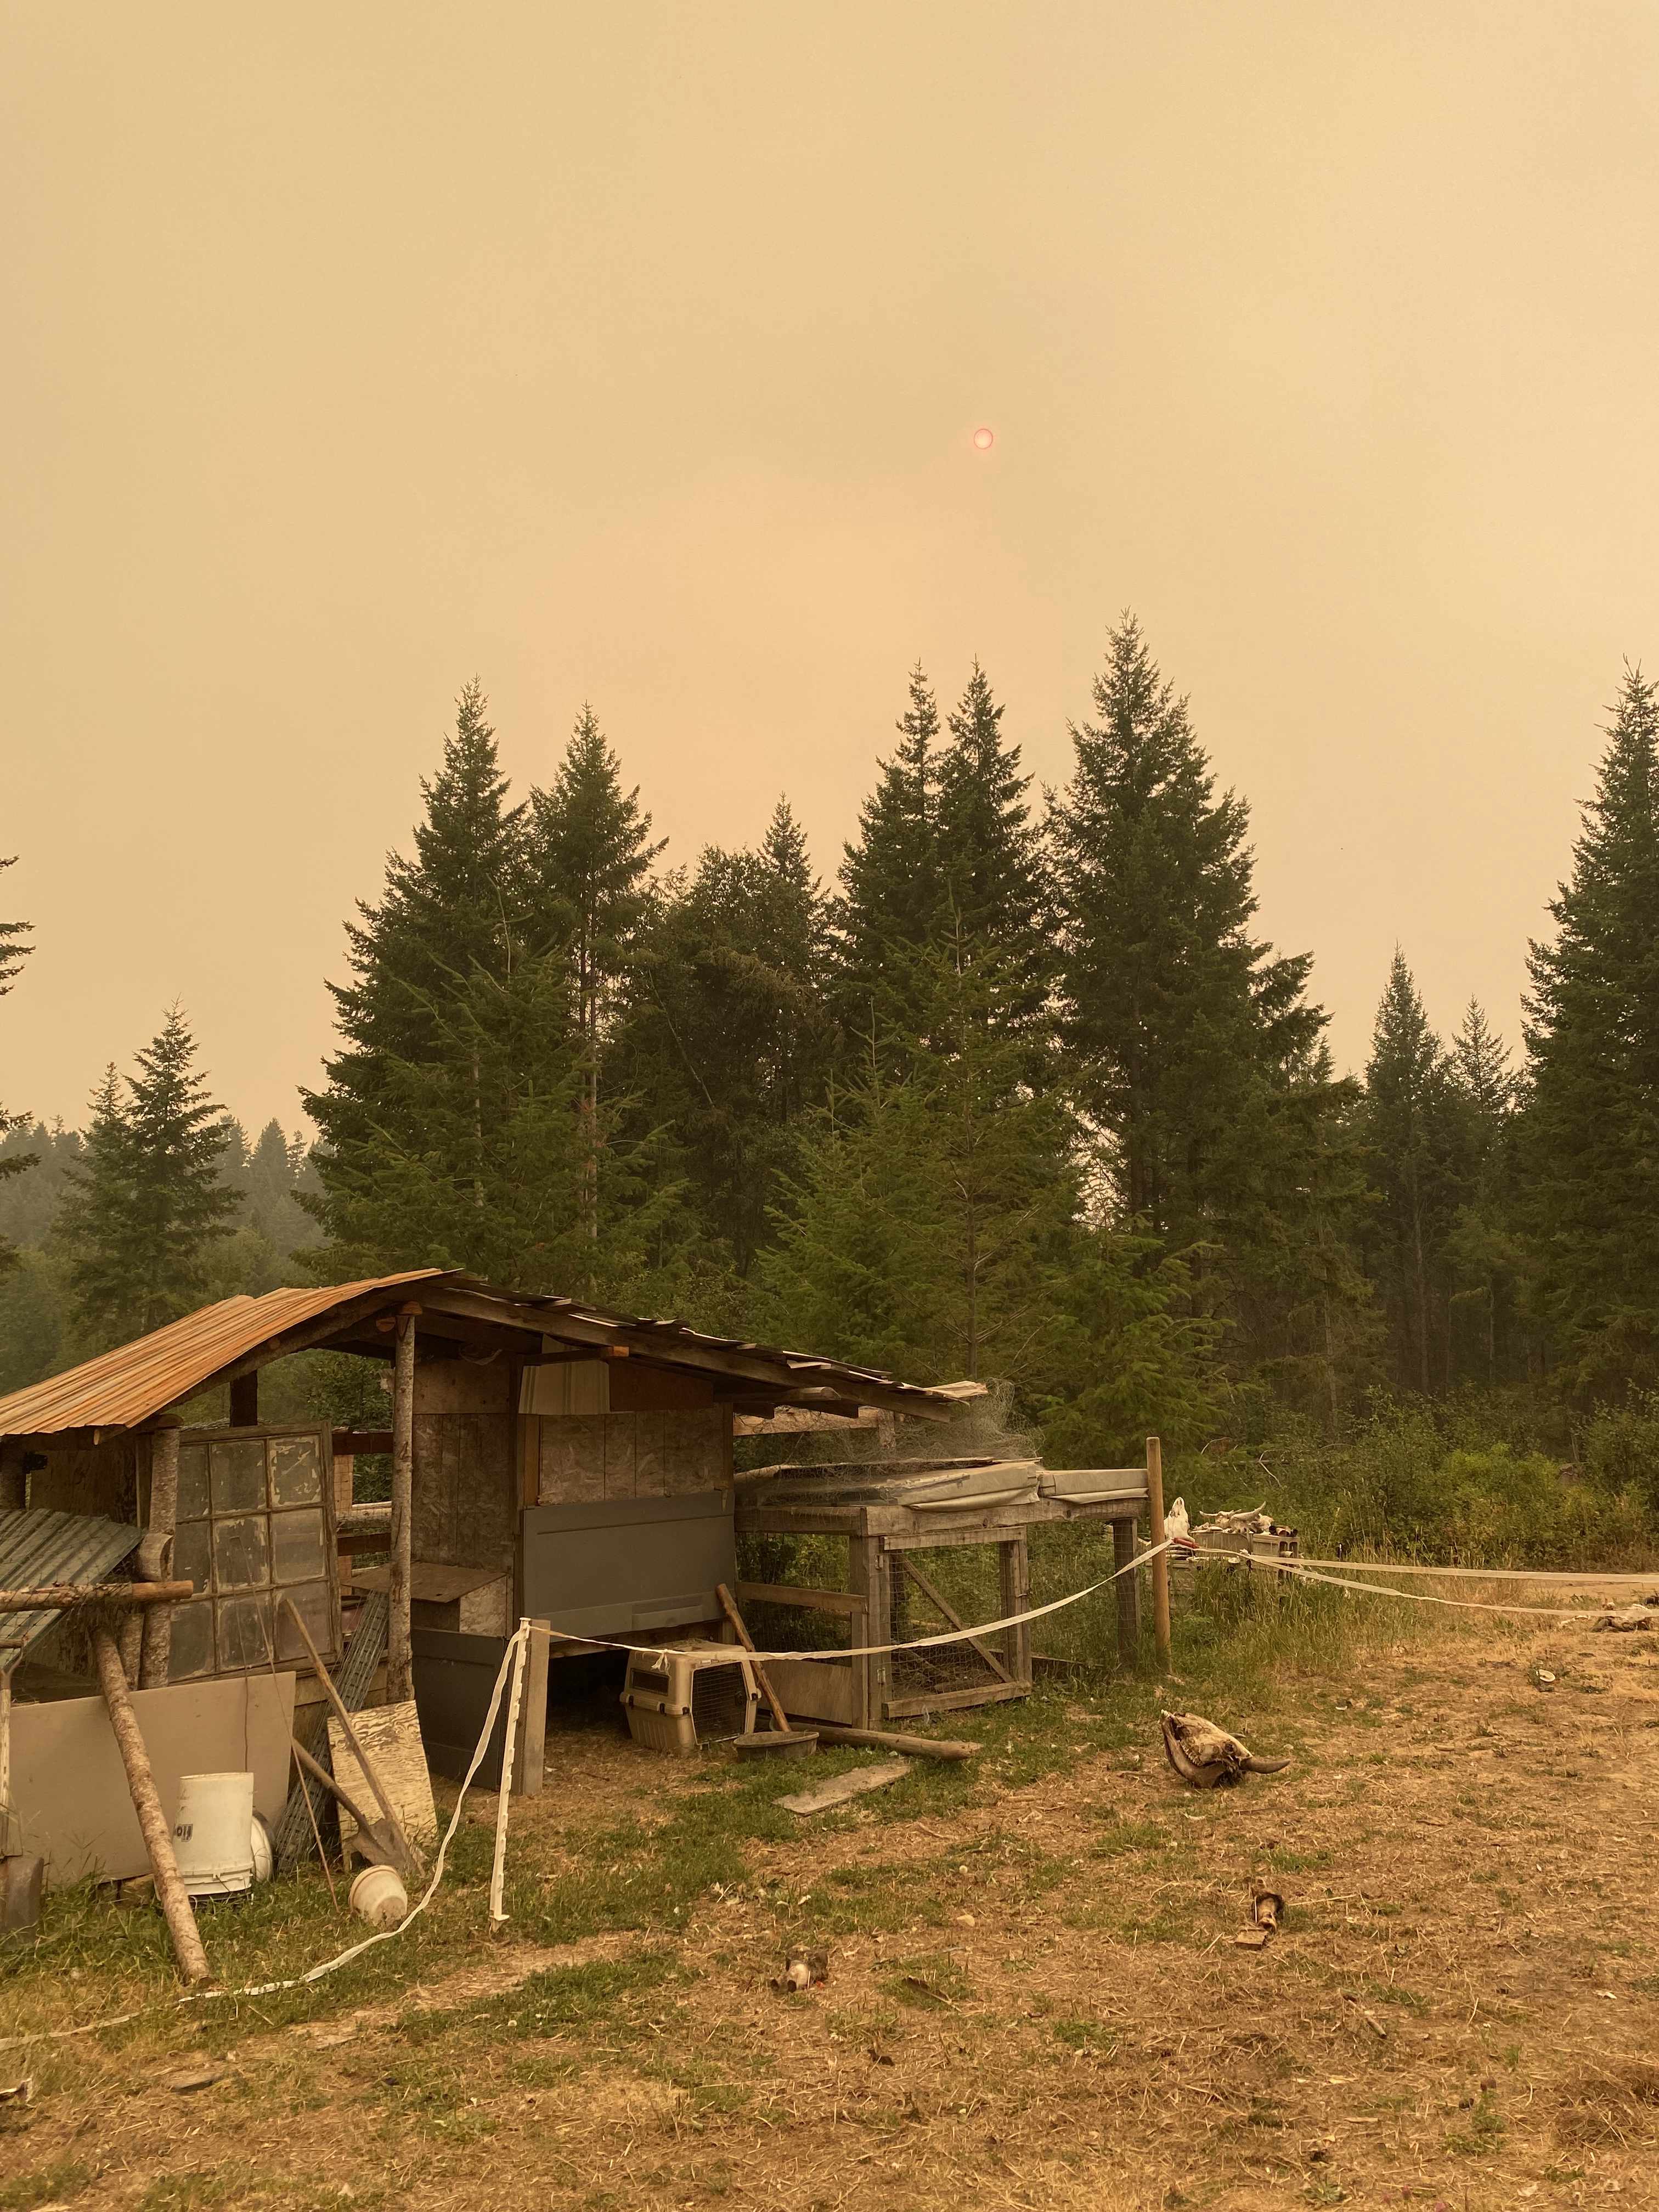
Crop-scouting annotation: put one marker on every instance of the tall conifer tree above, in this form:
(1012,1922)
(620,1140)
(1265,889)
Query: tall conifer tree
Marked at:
(1411,1126)
(146,1205)
(989,855)
(1592,1122)
(451,914)
(892,899)
(1183,1028)
(590,858)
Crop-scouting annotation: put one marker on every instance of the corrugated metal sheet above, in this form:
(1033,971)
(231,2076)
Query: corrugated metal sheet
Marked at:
(123,1387)
(39,1546)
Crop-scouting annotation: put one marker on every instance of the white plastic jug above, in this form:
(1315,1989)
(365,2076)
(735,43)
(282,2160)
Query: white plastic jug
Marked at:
(213,1835)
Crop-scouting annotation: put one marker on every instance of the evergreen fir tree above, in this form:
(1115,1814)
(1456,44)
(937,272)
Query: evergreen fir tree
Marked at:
(1412,1130)
(926,1228)
(450,912)
(143,1209)
(1592,1117)
(590,860)
(1183,1031)
(988,852)
(1484,1248)
(892,900)
(726,1037)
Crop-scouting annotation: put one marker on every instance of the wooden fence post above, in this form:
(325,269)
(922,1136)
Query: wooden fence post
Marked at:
(400,1661)
(1161,1564)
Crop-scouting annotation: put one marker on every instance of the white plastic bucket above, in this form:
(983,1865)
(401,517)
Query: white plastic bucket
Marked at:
(213,1835)
(377,1895)
(259,1846)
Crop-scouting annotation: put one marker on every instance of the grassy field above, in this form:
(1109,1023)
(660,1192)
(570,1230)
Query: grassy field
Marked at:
(1035,1995)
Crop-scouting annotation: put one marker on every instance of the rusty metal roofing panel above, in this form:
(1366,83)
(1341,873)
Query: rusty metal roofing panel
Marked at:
(37,1546)
(122,1387)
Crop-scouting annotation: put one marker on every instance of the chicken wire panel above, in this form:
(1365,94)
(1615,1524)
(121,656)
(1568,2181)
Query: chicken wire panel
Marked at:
(777,1627)
(1068,1556)
(968,1577)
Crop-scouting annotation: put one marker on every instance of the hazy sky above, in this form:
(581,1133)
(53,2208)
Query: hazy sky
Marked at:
(635,353)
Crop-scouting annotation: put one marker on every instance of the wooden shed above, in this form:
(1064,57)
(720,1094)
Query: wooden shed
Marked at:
(548,1458)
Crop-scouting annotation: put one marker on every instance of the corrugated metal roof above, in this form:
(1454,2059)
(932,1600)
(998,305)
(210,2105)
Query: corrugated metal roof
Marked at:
(121,1387)
(37,1546)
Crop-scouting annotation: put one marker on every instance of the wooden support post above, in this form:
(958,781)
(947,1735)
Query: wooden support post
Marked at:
(866,1578)
(509,1744)
(1124,1542)
(531,1764)
(1014,1564)
(156,1553)
(8,1839)
(1161,1564)
(399,1663)
(152,1821)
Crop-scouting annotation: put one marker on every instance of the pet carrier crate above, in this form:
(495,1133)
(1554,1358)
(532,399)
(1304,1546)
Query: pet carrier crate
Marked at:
(698,1693)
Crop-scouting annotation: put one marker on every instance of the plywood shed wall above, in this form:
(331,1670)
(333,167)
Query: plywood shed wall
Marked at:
(465,1508)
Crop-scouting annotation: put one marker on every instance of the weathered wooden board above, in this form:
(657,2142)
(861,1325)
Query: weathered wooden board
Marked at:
(841,1789)
(391,1735)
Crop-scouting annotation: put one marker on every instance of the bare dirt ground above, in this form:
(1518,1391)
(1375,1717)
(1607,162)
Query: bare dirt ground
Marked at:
(1036,1998)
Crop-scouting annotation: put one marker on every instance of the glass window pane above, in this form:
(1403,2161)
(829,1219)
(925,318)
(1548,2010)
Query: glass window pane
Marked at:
(238,1476)
(192,1481)
(296,1471)
(296,1547)
(192,1641)
(244,1631)
(317,1610)
(241,1552)
(192,1556)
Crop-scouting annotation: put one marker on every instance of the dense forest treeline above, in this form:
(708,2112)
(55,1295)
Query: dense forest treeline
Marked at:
(1022,1094)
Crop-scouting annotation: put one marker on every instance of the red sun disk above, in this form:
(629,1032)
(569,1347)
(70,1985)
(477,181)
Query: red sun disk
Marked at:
(984,438)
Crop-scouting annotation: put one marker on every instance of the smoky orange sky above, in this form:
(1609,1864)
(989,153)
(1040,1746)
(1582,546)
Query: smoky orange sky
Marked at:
(634,353)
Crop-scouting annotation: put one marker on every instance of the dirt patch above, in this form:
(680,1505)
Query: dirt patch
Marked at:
(1035,2000)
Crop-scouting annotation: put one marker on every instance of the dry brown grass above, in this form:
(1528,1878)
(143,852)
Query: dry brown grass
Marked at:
(1036,1998)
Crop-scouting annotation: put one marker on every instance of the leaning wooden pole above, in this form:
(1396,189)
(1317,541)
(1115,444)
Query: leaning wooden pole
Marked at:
(400,1661)
(1161,1564)
(152,1821)
(155,1554)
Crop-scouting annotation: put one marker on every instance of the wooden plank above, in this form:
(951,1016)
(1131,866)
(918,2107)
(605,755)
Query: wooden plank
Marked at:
(817,1689)
(815,1600)
(156,1552)
(936,1598)
(389,1736)
(431,1580)
(954,1701)
(841,1789)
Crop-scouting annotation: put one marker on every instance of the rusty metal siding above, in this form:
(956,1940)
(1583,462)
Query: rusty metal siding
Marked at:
(37,1546)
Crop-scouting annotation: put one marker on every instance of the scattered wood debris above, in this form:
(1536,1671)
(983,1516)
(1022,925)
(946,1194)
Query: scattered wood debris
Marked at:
(1626,1620)
(840,1788)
